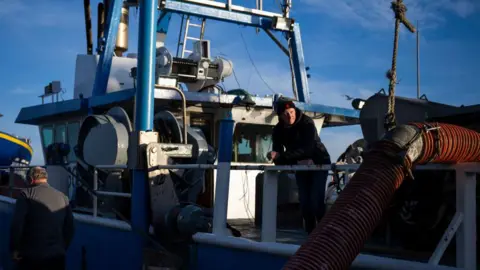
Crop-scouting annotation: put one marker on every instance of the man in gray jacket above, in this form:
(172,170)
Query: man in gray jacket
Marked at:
(42,225)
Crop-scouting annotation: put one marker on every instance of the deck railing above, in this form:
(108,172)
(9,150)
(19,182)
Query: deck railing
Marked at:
(463,224)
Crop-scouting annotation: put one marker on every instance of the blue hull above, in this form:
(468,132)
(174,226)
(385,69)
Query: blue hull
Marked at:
(93,246)
(13,149)
(234,259)
(102,244)
(105,247)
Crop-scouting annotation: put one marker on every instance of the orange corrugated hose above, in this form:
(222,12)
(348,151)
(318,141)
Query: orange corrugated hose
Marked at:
(341,234)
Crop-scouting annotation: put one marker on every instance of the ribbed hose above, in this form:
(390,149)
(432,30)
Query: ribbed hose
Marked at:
(341,234)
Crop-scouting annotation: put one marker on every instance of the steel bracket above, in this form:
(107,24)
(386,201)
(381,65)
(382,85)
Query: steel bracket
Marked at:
(159,153)
(138,142)
(282,23)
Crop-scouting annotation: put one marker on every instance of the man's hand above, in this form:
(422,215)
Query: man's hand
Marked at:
(273,155)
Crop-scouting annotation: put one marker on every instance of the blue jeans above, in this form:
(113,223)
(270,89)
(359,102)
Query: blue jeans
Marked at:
(311,193)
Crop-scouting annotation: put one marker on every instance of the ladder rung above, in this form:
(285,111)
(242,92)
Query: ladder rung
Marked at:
(195,25)
(188,51)
(192,38)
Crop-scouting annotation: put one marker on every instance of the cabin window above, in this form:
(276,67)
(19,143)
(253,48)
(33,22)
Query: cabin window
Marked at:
(263,146)
(251,143)
(60,133)
(47,134)
(72,131)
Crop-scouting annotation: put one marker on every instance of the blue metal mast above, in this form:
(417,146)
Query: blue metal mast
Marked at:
(299,67)
(107,47)
(144,100)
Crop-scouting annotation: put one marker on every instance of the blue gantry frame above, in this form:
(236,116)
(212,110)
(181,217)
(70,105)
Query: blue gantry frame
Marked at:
(255,21)
(169,7)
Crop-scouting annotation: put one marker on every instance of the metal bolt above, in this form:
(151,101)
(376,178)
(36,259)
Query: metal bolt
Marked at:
(154,150)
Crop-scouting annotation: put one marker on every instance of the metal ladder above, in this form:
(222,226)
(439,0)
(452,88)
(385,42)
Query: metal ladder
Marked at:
(182,45)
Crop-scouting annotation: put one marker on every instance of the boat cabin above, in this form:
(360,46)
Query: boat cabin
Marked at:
(60,122)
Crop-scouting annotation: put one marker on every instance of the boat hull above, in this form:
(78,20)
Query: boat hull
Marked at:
(98,243)
(13,149)
(101,243)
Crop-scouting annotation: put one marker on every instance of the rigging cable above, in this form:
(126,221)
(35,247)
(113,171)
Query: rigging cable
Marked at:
(233,70)
(235,76)
(253,63)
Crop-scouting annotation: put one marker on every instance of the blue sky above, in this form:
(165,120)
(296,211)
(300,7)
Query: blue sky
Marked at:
(347,45)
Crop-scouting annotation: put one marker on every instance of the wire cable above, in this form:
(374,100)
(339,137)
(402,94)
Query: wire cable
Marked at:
(253,63)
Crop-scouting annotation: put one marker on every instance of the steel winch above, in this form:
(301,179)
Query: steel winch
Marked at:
(170,189)
(198,71)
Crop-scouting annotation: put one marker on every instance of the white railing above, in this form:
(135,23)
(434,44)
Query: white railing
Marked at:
(463,223)
(159,167)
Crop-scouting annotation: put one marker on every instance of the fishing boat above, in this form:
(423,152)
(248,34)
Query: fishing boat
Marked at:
(15,150)
(168,170)
(15,153)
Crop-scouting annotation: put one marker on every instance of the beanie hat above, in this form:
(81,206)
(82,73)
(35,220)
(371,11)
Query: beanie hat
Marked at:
(284,105)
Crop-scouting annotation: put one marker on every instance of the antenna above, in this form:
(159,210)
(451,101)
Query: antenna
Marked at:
(418,62)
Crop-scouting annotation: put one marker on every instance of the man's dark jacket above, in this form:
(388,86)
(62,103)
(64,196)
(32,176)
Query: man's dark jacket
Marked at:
(42,224)
(301,142)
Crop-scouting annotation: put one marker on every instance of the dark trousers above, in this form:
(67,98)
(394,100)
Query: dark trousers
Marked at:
(55,263)
(311,193)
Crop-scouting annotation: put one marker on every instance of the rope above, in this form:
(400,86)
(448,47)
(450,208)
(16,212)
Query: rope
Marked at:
(399,9)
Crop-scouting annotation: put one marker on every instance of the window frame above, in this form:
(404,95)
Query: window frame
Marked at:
(255,131)
(53,126)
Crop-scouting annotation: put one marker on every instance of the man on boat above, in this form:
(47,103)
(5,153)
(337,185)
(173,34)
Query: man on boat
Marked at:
(296,142)
(42,225)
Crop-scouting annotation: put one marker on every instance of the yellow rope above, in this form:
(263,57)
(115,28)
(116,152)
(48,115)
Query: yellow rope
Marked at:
(399,9)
